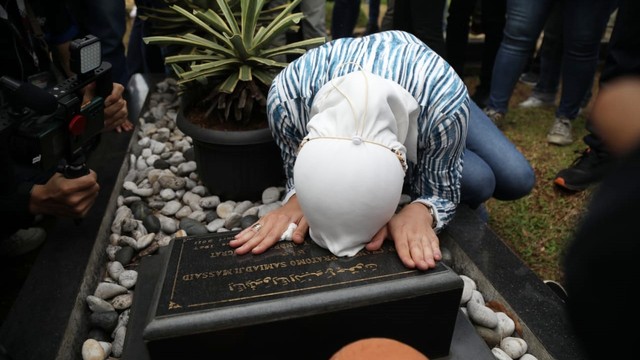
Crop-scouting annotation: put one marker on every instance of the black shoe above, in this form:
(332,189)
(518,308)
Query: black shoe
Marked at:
(588,169)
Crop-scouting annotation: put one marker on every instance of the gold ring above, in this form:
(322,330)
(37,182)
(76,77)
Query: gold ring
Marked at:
(256,227)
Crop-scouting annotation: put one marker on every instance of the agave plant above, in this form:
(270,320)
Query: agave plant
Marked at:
(231,57)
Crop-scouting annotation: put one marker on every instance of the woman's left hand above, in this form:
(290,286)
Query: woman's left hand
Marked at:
(415,240)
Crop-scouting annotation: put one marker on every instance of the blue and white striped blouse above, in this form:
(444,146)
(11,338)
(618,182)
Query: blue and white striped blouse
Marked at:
(397,56)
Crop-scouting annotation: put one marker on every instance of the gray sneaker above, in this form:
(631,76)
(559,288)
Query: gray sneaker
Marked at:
(495,116)
(22,242)
(560,133)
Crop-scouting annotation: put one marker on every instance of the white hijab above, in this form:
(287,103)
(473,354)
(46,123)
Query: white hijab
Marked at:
(350,168)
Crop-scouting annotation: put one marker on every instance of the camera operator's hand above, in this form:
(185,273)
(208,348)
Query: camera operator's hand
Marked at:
(64,197)
(116,114)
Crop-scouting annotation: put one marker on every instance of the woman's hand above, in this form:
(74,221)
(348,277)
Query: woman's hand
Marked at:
(415,240)
(258,238)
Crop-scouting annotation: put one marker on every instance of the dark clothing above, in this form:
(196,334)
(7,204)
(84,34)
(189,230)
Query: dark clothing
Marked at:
(25,41)
(344,18)
(601,266)
(424,19)
(601,263)
(106,20)
(457,39)
(145,58)
(623,57)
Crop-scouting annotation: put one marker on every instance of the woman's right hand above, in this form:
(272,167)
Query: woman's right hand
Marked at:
(268,230)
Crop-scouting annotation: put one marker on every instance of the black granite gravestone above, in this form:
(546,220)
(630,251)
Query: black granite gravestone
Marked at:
(294,301)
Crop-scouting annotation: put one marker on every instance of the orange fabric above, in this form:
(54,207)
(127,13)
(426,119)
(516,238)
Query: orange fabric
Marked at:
(378,349)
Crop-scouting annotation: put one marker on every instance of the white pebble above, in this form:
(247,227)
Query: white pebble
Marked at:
(128,278)
(500,355)
(97,304)
(271,194)
(114,269)
(506,325)
(513,346)
(107,290)
(225,209)
(528,357)
(92,350)
(122,302)
(467,290)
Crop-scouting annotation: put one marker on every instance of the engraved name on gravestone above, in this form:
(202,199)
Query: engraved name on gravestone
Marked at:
(204,273)
(209,299)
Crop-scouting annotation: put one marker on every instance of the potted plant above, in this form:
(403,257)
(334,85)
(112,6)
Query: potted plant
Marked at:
(228,59)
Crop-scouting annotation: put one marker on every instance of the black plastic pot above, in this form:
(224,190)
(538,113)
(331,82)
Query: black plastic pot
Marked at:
(234,165)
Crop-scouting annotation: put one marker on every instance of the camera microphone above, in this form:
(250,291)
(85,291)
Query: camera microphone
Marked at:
(28,95)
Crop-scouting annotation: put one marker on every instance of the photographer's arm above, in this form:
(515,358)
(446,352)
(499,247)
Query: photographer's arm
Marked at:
(14,195)
(116,114)
(65,197)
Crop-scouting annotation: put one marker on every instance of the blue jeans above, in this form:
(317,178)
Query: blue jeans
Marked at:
(584,22)
(493,166)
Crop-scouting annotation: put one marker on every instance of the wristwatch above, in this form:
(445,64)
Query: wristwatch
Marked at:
(432,211)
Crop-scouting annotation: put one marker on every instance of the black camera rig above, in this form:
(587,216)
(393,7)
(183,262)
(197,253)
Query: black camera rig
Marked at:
(53,128)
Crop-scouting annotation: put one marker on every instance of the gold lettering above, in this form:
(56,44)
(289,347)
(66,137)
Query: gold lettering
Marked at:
(216,254)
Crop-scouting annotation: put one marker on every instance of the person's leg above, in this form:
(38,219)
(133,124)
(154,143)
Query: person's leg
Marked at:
(141,57)
(525,20)
(424,19)
(493,21)
(387,18)
(374,16)
(135,57)
(458,33)
(623,58)
(427,22)
(344,18)
(550,57)
(478,181)
(494,157)
(584,25)
(314,22)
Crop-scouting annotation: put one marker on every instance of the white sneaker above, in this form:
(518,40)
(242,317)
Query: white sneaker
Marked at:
(560,133)
(534,102)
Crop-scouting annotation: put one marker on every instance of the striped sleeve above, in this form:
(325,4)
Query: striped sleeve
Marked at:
(397,56)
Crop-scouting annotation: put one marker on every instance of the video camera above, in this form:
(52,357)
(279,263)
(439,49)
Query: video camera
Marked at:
(49,128)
